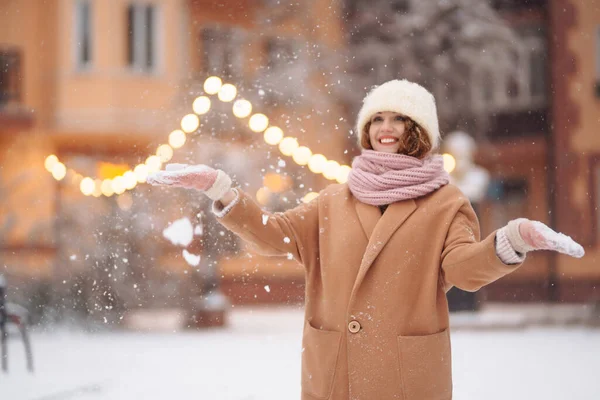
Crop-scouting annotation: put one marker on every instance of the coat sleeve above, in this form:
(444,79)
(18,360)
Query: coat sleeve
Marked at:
(467,262)
(292,232)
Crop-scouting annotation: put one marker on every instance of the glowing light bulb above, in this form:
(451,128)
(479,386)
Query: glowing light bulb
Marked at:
(59,171)
(342,174)
(87,186)
(273,135)
(288,145)
(141,172)
(50,161)
(190,123)
(118,185)
(201,105)
(153,163)
(227,92)
(449,162)
(258,122)
(301,155)
(331,169)
(106,188)
(242,108)
(317,163)
(129,180)
(164,152)
(212,84)
(97,192)
(176,139)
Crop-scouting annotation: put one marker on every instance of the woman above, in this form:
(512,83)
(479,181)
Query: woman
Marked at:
(380,253)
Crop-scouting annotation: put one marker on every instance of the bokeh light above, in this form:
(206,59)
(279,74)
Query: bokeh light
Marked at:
(201,105)
(258,122)
(212,84)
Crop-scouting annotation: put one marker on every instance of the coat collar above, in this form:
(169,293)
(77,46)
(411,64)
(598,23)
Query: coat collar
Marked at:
(379,229)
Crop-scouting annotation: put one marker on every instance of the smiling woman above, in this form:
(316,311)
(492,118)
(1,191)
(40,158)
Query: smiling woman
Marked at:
(391,132)
(379,252)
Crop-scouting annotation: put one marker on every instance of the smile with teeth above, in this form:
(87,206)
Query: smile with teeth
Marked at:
(388,140)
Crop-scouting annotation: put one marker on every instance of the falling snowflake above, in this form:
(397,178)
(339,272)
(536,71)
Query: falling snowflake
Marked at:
(190,258)
(180,232)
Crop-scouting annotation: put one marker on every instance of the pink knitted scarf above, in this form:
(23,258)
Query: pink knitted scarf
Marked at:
(379,178)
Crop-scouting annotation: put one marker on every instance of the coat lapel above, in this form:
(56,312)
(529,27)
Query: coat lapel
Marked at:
(368,216)
(379,229)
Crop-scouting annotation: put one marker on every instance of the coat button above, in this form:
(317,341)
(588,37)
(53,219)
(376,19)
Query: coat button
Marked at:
(354,326)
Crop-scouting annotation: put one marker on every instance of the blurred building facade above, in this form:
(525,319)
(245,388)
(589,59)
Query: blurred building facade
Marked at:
(100,83)
(575,144)
(286,49)
(540,147)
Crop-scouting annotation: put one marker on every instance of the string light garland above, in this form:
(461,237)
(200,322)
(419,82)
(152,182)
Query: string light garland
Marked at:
(242,108)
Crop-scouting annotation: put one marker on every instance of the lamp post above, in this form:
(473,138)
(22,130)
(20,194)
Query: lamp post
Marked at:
(473,181)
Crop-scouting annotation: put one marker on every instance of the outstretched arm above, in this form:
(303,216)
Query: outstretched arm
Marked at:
(470,264)
(294,232)
(467,262)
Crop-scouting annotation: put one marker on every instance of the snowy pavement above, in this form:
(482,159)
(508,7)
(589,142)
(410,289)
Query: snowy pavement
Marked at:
(258,357)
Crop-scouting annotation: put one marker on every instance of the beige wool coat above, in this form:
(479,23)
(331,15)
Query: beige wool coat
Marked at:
(376,315)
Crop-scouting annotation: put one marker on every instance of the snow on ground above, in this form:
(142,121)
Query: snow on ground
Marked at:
(258,357)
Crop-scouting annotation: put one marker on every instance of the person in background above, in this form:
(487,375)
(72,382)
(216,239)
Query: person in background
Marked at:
(379,252)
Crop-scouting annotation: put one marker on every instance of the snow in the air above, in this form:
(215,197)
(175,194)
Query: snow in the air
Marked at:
(180,232)
(191,259)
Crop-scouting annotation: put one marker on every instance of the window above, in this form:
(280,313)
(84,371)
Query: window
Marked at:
(83,33)
(142,37)
(515,79)
(10,76)
(538,71)
(280,52)
(222,51)
(400,6)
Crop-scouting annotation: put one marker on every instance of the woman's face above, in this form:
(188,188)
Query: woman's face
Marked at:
(385,131)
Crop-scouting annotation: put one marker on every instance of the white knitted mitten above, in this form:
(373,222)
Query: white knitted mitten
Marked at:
(534,235)
(214,183)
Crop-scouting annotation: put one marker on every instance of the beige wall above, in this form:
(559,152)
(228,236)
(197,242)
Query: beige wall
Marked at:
(72,107)
(316,125)
(27,188)
(109,96)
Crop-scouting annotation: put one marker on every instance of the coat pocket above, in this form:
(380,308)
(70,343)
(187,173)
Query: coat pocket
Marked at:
(425,366)
(319,360)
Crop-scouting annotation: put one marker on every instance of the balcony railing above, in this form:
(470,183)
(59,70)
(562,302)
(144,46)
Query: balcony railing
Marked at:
(10,76)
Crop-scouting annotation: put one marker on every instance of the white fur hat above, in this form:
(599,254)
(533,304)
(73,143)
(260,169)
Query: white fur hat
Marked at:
(404,97)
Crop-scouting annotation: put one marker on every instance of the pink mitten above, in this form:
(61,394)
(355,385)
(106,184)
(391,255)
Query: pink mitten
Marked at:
(525,235)
(214,183)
